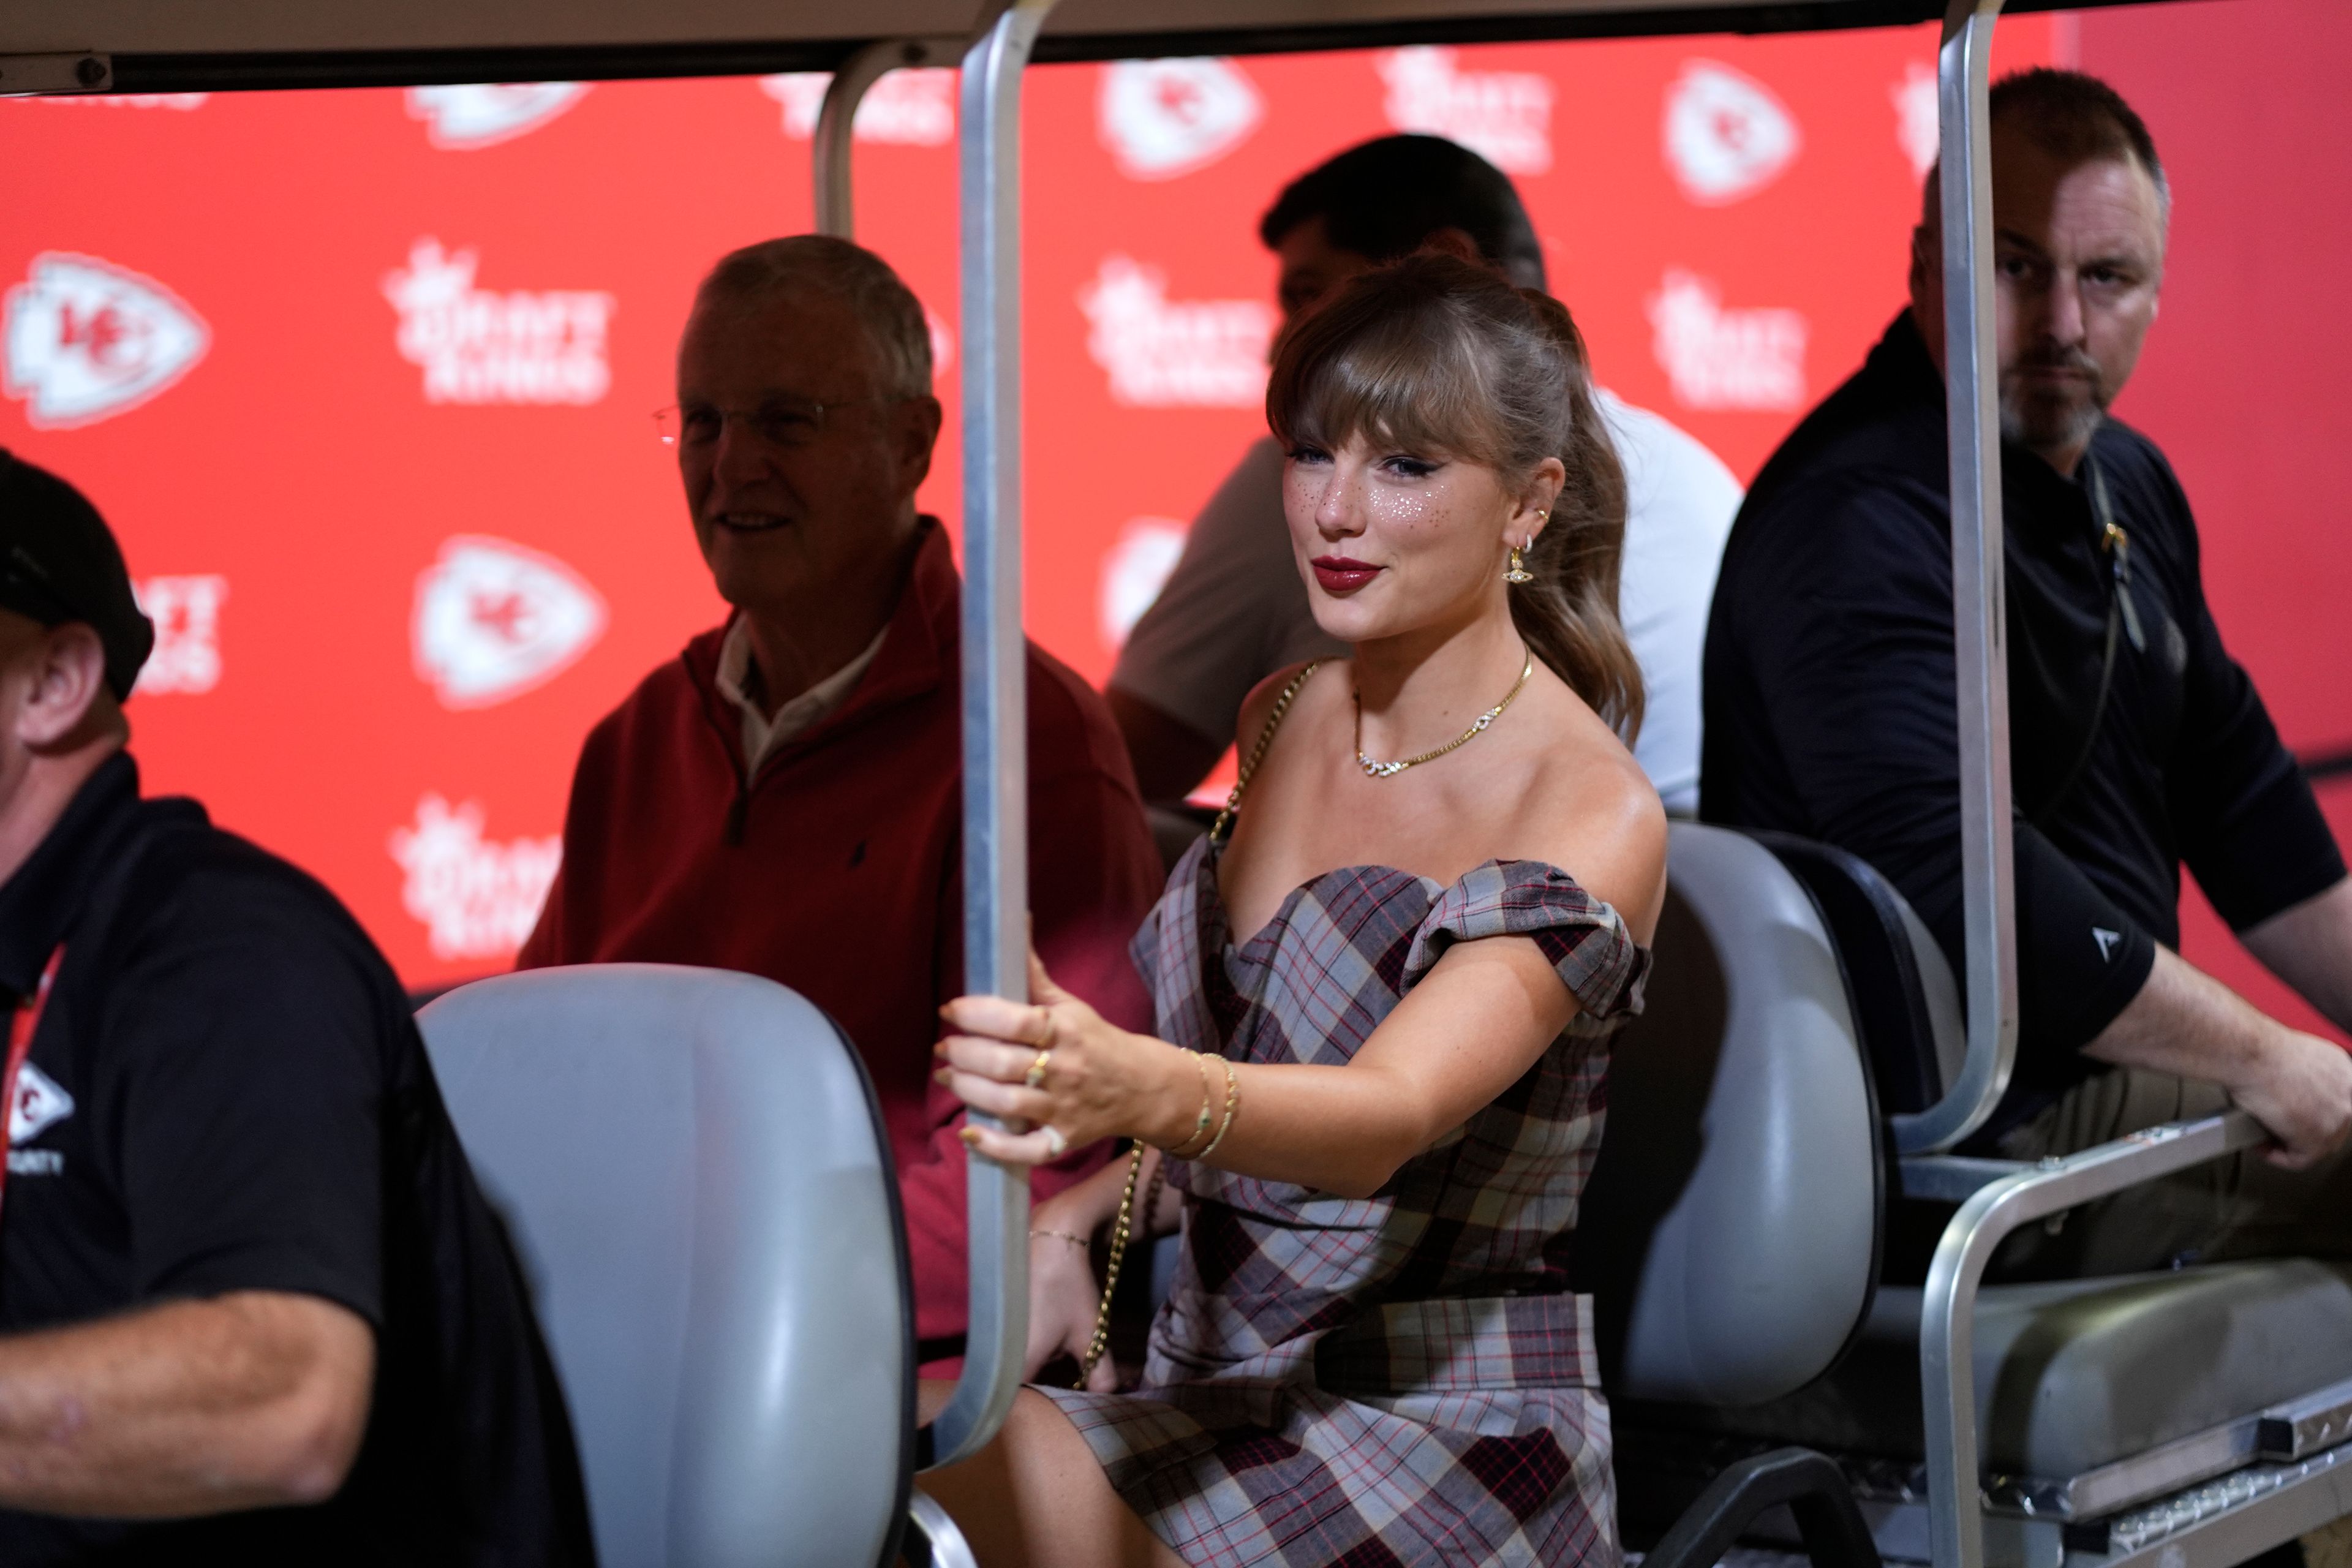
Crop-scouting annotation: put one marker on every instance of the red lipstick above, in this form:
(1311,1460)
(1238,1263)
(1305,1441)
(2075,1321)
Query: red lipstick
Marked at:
(1342,575)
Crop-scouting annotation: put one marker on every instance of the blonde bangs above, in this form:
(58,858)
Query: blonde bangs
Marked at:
(1410,382)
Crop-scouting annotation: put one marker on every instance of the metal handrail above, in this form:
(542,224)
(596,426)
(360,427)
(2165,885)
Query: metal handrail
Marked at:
(1980,655)
(995,709)
(1948,1309)
(829,146)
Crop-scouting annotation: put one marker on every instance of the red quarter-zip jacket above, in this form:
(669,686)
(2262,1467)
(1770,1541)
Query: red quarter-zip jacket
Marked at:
(838,872)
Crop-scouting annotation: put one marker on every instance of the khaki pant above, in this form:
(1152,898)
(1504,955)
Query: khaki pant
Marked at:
(2238,1207)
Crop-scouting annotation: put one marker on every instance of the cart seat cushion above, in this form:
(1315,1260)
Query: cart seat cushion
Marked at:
(2074,1375)
(695,1174)
(1729,1232)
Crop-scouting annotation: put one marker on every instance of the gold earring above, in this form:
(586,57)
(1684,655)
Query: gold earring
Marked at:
(1518,571)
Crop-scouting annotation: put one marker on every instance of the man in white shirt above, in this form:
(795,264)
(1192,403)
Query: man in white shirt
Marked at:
(1234,610)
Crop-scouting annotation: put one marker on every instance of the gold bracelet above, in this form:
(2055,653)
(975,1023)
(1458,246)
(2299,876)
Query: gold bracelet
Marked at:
(1208,1108)
(1077,1241)
(1233,1103)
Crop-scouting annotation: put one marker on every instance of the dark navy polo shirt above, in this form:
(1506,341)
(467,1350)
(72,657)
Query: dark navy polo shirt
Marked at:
(227,1092)
(1830,701)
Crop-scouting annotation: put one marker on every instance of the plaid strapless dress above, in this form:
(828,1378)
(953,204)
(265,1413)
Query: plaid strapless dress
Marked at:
(1404,1379)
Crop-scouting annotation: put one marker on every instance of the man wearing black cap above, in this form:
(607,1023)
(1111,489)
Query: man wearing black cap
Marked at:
(252,1306)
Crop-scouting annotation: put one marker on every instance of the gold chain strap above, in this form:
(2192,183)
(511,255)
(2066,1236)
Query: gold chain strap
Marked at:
(1257,752)
(1123,1228)
(1118,1239)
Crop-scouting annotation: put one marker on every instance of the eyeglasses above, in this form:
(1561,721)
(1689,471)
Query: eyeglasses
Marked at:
(786,423)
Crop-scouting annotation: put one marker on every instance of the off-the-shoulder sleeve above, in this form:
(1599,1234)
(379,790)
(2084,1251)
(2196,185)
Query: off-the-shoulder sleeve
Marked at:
(1595,955)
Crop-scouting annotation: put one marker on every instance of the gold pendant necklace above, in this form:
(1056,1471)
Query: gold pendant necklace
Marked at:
(1373,770)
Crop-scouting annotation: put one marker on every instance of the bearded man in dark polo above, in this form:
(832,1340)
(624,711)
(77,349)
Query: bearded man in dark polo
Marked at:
(2137,743)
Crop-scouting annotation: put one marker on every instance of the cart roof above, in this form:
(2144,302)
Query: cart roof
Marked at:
(175,46)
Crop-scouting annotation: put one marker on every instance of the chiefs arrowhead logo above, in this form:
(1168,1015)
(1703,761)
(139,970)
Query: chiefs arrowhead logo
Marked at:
(1161,119)
(481,113)
(494,619)
(1727,136)
(88,339)
(39,1105)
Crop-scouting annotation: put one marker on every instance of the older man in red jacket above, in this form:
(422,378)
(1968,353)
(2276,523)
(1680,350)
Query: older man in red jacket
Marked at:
(786,799)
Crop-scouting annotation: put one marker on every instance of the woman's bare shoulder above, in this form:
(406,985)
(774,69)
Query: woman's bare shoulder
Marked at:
(1258,706)
(1598,818)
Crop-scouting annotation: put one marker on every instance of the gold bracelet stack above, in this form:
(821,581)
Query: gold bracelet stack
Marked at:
(1233,1103)
(1123,1229)
(1208,1106)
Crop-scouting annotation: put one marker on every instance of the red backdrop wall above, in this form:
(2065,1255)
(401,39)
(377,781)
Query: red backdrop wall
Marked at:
(364,379)
(2243,381)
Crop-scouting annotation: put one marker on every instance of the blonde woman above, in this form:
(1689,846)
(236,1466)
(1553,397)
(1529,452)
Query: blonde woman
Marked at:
(1385,986)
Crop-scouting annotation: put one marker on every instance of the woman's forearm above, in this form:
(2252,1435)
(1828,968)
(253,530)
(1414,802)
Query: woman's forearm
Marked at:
(1471,1029)
(1342,1129)
(1482,1016)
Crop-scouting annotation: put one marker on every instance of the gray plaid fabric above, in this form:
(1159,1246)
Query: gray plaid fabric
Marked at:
(1403,1379)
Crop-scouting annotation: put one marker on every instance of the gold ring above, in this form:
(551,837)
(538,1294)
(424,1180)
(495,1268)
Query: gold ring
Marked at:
(1057,1145)
(1036,1077)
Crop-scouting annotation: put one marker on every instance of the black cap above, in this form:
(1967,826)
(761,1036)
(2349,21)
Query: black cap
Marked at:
(58,562)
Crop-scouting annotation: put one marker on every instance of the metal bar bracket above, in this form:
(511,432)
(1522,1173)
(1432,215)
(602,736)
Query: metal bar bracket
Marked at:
(24,76)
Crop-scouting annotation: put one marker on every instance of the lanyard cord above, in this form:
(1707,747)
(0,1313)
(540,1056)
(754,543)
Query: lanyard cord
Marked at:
(21,1029)
(2121,613)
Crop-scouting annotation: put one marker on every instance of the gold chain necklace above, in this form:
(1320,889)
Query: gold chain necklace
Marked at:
(1373,770)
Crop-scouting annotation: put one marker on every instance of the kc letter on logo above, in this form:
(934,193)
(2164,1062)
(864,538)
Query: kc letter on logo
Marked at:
(89,340)
(494,619)
(1165,118)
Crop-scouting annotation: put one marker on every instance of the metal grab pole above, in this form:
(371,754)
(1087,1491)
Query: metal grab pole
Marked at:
(829,147)
(1947,1386)
(1979,650)
(995,716)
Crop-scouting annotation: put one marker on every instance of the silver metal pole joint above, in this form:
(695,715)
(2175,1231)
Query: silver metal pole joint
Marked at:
(838,117)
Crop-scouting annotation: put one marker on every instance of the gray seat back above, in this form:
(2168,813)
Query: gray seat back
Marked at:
(1730,1231)
(696,1178)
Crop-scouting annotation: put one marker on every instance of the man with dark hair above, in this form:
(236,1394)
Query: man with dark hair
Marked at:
(253,1308)
(1234,610)
(786,796)
(2136,742)
(1387,198)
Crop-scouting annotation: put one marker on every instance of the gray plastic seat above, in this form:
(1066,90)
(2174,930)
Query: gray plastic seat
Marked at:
(1731,1232)
(1742,1161)
(696,1178)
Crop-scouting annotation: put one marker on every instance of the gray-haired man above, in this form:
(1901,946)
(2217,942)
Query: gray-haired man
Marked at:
(786,799)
